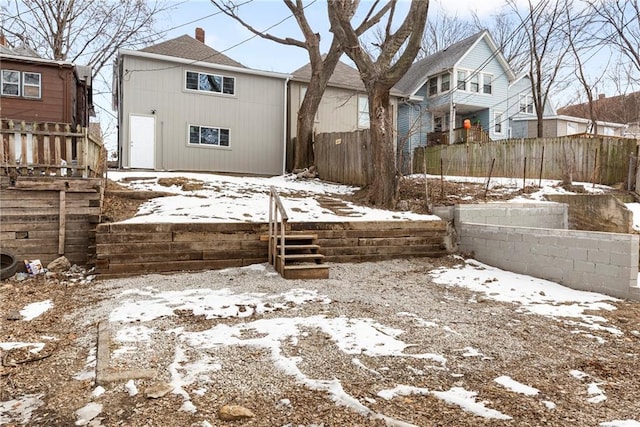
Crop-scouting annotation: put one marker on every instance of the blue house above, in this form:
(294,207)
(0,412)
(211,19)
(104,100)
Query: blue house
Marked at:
(470,80)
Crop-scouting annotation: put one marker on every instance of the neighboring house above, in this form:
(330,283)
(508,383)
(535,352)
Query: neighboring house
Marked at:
(185,106)
(469,80)
(41,90)
(344,106)
(616,109)
(561,125)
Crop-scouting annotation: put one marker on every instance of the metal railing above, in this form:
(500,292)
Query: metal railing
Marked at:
(278,219)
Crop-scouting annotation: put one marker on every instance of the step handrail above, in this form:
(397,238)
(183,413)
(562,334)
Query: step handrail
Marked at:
(278,219)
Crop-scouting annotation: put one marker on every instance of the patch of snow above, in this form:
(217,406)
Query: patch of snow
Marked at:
(20,410)
(98,391)
(471,352)
(131,388)
(549,404)
(402,390)
(12,345)
(578,374)
(515,386)
(621,423)
(33,310)
(596,393)
(88,413)
(467,401)
(134,334)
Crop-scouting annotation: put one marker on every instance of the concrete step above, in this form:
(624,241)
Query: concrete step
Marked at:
(306,271)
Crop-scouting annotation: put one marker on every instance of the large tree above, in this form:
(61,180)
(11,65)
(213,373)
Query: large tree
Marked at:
(86,32)
(547,43)
(322,66)
(379,75)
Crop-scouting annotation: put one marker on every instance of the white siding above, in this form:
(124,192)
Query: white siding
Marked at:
(254,116)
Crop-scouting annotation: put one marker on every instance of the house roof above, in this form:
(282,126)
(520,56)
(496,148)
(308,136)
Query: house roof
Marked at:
(19,51)
(617,109)
(186,47)
(344,76)
(445,59)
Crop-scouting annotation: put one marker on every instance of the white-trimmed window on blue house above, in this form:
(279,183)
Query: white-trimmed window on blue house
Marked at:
(474,83)
(497,120)
(486,84)
(25,84)
(207,136)
(433,86)
(445,82)
(212,83)
(363,111)
(526,103)
(462,80)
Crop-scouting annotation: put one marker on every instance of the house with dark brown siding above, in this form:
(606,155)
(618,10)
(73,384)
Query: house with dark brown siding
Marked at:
(40,90)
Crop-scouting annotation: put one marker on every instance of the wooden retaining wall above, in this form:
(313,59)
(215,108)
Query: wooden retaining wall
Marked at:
(45,217)
(129,249)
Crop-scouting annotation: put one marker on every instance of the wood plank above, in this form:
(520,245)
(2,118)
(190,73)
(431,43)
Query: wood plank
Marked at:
(133,237)
(71,185)
(63,222)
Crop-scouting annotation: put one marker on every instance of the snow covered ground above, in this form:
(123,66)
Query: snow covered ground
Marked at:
(227,198)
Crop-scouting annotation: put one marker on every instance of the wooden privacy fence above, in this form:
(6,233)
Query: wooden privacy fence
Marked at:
(50,149)
(344,157)
(599,160)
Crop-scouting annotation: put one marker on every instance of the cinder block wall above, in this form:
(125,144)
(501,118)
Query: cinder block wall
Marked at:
(583,260)
(539,215)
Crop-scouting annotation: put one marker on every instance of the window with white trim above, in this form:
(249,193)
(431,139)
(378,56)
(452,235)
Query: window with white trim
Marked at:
(497,120)
(208,136)
(25,84)
(486,84)
(10,83)
(433,86)
(210,83)
(462,80)
(526,103)
(445,82)
(363,111)
(474,83)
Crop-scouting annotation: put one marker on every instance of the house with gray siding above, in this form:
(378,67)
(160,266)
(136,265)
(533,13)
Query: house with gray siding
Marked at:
(468,81)
(185,106)
(344,106)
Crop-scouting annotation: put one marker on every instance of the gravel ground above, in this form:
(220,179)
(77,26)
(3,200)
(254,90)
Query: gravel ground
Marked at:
(443,321)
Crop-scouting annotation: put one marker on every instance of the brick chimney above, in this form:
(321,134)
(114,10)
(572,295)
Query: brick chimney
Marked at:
(200,35)
(602,96)
(3,40)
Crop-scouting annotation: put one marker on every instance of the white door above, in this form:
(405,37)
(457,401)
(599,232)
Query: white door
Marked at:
(142,136)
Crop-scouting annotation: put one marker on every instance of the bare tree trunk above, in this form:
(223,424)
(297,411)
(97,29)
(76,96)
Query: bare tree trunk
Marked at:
(383,191)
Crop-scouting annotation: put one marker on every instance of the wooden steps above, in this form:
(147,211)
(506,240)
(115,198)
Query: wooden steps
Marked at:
(301,259)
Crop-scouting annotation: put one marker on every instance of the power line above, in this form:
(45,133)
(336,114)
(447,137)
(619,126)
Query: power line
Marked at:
(220,52)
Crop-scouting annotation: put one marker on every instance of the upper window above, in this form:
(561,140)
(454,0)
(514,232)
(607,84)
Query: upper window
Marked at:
(474,83)
(11,83)
(363,111)
(462,80)
(16,83)
(486,83)
(31,85)
(526,103)
(211,83)
(433,86)
(445,82)
(204,135)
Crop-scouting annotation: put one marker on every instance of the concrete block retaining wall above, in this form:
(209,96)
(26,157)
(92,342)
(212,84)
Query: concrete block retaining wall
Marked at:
(583,260)
(539,215)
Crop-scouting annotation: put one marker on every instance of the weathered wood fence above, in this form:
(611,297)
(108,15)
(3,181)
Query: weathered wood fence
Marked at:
(600,160)
(344,157)
(50,149)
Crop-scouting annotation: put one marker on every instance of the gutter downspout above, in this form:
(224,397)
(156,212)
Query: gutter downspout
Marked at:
(284,125)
